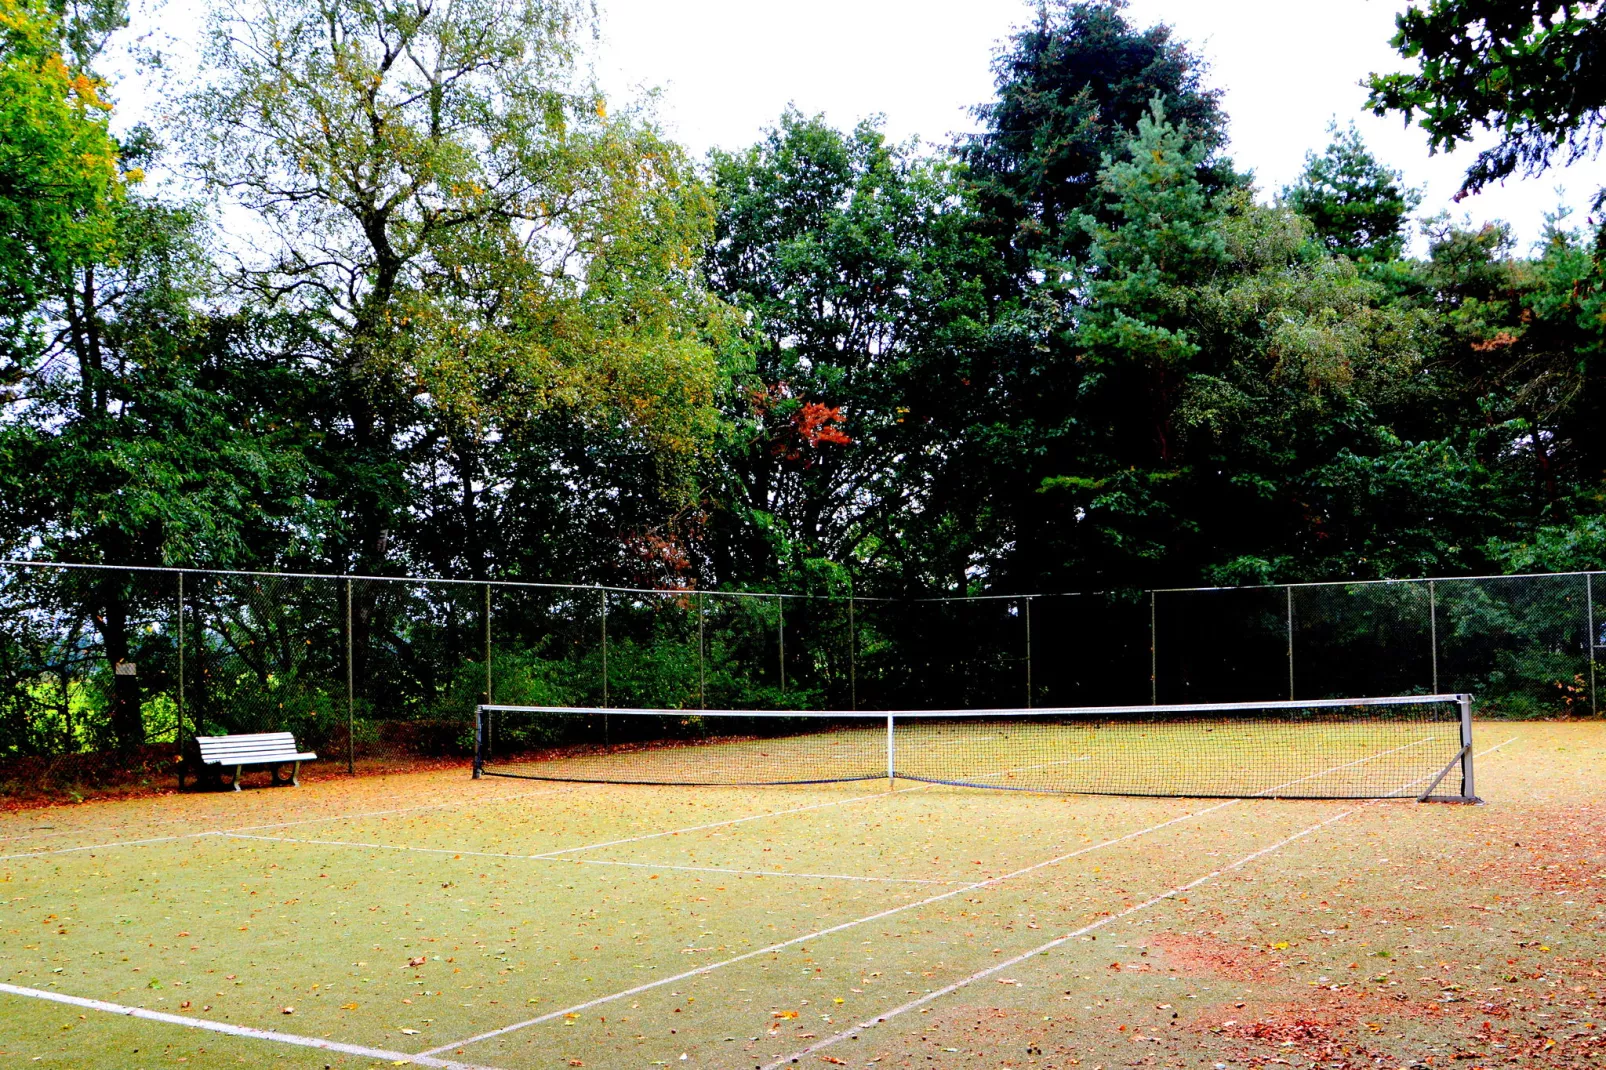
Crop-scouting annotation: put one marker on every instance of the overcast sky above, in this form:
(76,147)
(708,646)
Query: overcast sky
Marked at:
(726,68)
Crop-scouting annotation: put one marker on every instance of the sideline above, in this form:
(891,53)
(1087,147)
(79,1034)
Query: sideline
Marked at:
(397,1057)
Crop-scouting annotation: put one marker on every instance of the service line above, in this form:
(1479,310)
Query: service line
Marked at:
(589,861)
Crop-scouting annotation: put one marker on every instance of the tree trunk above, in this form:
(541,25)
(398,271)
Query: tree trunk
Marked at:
(127,720)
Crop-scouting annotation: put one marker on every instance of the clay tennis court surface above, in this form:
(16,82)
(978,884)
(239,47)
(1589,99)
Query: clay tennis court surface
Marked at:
(430,919)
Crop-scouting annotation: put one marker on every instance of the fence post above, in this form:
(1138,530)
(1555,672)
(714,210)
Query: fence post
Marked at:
(1028,653)
(1589,601)
(702,669)
(1154,663)
(351,702)
(1290,592)
(488,698)
(1433,631)
(180,632)
(780,633)
(603,591)
(853,660)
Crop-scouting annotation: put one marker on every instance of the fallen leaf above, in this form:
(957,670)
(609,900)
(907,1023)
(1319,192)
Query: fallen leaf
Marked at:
(288,1010)
(410,1032)
(416,961)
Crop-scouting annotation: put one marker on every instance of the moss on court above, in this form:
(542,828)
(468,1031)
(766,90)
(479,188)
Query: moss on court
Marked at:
(1418,915)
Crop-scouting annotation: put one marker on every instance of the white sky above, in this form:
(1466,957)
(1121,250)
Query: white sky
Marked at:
(726,69)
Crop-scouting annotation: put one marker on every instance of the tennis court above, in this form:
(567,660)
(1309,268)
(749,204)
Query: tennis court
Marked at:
(439,920)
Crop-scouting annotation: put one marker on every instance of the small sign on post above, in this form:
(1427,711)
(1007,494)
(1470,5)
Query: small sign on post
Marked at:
(126,668)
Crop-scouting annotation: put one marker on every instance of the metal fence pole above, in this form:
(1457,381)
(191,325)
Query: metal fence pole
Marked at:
(1433,631)
(780,633)
(604,595)
(351,700)
(1290,590)
(702,668)
(853,660)
(1154,663)
(179,629)
(1028,653)
(488,643)
(1589,601)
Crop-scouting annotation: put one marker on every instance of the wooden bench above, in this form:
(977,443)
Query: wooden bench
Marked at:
(271,749)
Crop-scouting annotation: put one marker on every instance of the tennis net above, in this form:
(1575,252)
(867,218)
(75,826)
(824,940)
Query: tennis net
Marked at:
(1417,746)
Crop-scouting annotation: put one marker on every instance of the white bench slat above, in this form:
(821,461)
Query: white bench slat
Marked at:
(256,748)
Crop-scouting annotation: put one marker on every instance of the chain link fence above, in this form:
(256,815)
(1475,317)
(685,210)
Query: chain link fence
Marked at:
(104,660)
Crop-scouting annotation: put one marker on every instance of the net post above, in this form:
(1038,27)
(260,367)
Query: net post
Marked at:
(1290,593)
(780,635)
(892,757)
(1468,787)
(604,603)
(702,667)
(1028,653)
(1433,631)
(488,643)
(351,701)
(179,630)
(480,713)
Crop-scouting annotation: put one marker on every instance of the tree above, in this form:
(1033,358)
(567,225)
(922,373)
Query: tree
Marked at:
(1531,71)
(1072,86)
(473,240)
(855,262)
(1357,206)
(59,176)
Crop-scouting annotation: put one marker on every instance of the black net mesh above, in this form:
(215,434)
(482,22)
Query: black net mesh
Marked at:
(1391,749)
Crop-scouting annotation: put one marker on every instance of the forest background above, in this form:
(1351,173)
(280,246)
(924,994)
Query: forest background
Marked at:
(426,303)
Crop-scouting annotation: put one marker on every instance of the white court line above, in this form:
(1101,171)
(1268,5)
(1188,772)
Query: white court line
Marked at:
(712,966)
(47,834)
(979,975)
(427,1058)
(284,824)
(239,1030)
(1058,941)
(588,861)
(722,824)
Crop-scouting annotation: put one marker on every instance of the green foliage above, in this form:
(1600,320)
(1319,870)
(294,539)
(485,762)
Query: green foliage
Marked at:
(59,177)
(1357,206)
(1529,71)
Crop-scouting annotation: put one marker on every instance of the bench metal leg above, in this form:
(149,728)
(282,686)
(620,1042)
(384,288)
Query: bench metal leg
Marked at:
(295,774)
(237,777)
